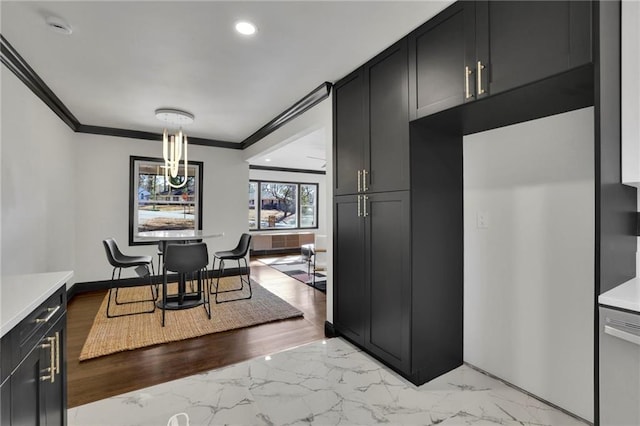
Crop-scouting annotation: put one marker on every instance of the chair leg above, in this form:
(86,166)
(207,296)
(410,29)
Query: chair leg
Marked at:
(111,287)
(164,293)
(205,291)
(153,298)
(243,281)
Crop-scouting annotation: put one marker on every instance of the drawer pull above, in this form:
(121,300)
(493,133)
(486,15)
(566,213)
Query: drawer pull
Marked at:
(620,334)
(52,312)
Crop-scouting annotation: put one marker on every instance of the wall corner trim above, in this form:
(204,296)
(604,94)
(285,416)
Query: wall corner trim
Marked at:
(10,57)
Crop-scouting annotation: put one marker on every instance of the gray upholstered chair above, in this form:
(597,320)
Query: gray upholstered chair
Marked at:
(238,254)
(118,261)
(189,261)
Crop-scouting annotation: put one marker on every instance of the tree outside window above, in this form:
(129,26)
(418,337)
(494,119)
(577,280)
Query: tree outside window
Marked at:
(282,205)
(278,205)
(308,206)
(154,205)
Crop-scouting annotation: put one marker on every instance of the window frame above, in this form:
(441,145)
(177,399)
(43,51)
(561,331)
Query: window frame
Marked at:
(298,202)
(133,195)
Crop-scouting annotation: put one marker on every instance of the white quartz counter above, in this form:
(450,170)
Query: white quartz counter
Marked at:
(21,294)
(624,296)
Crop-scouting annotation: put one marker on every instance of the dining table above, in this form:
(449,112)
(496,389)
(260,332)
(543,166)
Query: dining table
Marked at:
(181,300)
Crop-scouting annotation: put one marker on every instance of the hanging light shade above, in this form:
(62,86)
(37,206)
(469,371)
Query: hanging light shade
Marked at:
(174,143)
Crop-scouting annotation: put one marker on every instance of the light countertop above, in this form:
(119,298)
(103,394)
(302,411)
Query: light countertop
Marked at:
(21,294)
(624,296)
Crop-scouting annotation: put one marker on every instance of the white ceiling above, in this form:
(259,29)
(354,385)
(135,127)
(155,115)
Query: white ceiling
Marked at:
(127,58)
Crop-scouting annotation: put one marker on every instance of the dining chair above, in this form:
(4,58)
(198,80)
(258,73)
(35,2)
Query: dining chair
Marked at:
(239,254)
(187,260)
(319,257)
(118,261)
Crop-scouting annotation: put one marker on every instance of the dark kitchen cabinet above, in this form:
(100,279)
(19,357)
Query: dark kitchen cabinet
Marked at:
(372,242)
(521,42)
(475,49)
(348,133)
(349,249)
(387,218)
(442,61)
(5,403)
(371,137)
(34,392)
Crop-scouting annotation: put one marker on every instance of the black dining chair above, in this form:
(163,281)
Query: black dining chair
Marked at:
(189,261)
(239,254)
(118,261)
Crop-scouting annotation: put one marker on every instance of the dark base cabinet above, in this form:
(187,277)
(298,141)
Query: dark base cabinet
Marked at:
(34,393)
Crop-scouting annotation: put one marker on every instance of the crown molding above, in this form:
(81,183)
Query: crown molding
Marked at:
(137,134)
(286,169)
(16,64)
(316,96)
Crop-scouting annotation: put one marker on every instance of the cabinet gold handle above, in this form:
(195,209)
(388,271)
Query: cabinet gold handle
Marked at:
(52,312)
(364,199)
(51,369)
(57,352)
(467,91)
(480,68)
(359,213)
(52,358)
(359,187)
(364,180)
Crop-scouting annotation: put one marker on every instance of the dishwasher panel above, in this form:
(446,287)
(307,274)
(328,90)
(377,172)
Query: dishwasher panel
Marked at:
(619,368)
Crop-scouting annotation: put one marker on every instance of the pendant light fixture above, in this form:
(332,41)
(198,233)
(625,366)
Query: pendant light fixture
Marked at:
(174,143)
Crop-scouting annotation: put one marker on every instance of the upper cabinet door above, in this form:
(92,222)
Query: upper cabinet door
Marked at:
(520,42)
(387,121)
(442,61)
(348,134)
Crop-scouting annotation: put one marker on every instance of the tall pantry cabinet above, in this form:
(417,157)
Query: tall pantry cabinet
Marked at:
(399,121)
(381,301)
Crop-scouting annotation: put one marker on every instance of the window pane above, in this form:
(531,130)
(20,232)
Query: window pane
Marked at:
(278,205)
(253,205)
(161,207)
(308,206)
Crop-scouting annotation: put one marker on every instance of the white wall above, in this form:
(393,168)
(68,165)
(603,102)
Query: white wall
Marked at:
(102,198)
(318,117)
(528,292)
(300,177)
(38,184)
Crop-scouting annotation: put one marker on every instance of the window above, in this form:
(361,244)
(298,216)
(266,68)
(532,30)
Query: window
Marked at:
(282,205)
(308,205)
(156,206)
(253,205)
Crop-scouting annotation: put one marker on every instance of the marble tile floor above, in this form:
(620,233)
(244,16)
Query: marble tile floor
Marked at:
(327,382)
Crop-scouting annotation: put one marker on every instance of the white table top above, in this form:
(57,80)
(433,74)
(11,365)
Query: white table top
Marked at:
(177,235)
(624,296)
(21,294)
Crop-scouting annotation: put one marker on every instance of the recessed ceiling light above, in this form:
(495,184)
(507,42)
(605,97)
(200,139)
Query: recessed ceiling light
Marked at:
(58,25)
(246,28)
(267,159)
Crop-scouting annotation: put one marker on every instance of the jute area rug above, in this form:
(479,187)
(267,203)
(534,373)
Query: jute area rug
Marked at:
(111,335)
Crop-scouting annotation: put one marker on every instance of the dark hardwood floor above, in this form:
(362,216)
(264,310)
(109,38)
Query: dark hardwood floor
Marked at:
(111,375)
